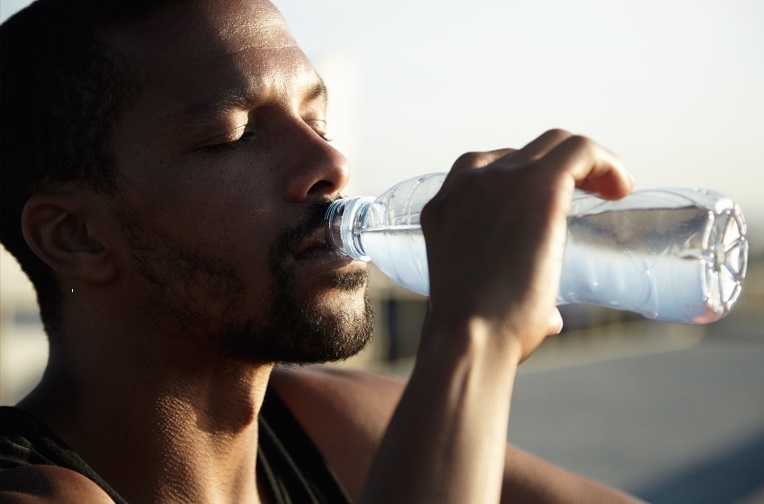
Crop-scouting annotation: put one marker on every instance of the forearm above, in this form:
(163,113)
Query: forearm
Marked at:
(491,306)
(451,422)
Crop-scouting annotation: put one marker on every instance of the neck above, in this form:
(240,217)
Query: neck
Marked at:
(155,430)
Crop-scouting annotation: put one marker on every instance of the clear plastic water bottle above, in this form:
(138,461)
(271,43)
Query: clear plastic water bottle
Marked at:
(676,255)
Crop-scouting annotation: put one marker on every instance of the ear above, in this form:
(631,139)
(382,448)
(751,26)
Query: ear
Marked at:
(62,228)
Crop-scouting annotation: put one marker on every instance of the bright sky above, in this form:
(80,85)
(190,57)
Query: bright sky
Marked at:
(674,87)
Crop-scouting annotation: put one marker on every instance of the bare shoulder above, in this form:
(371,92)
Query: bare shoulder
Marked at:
(48,484)
(345,412)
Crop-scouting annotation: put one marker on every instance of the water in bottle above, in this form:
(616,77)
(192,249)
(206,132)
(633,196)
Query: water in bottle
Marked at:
(677,255)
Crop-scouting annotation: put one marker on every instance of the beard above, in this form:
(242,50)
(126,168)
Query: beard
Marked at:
(201,292)
(294,330)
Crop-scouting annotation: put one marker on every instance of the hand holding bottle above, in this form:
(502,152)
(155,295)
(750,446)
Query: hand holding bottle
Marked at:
(514,203)
(495,235)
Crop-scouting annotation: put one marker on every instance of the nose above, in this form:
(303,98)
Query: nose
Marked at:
(315,167)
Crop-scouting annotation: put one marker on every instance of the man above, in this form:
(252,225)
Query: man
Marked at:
(165,171)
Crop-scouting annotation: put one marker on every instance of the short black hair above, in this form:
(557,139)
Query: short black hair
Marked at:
(63,90)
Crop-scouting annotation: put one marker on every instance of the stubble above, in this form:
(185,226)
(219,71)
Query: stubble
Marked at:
(203,295)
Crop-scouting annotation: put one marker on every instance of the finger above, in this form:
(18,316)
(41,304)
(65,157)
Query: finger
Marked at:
(477,160)
(554,327)
(591,166)
(474,161)
(555,323)
(540,146)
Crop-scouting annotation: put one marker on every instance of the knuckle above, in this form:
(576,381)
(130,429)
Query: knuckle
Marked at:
(470,160)
(579,142)
(557,134)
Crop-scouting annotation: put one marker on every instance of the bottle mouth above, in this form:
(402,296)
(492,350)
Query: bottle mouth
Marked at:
(343,224)
(332,221)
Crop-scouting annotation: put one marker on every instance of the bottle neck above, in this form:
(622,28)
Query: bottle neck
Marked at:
(343,224)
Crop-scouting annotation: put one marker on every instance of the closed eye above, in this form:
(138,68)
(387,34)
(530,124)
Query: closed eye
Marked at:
(229,141)
(319,126)
(230,146)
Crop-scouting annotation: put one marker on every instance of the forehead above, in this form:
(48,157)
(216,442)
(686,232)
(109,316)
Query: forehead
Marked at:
(197,50)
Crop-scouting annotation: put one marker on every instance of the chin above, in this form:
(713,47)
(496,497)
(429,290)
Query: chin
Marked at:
(343,293)
(322,321)
(349,280)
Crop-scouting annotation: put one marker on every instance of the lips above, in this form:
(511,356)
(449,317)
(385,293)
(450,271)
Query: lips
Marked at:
(315,248)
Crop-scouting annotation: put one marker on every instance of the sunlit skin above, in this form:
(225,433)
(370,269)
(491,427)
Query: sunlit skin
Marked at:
(226,148)
(223,150)
(209,267)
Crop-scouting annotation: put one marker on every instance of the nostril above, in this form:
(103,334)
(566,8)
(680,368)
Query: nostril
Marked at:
(322,187)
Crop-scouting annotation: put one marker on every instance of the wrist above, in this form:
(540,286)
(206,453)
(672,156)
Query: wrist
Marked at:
(469,339)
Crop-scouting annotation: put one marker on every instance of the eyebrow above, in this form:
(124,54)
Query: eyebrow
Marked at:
(203,113)
(318,91)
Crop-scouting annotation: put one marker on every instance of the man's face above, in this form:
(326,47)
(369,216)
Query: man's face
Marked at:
(226,176)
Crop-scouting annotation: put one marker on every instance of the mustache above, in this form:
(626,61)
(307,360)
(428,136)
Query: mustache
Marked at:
(291,237)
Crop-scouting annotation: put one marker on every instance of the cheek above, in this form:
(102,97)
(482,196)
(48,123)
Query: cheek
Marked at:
(229,201)
(210,207)
(226,208)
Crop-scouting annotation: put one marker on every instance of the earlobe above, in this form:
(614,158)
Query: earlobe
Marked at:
(58,229)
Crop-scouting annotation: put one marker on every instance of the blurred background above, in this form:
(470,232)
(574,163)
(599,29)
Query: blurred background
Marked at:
(672,413)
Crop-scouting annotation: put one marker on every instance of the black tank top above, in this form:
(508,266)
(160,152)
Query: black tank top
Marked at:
(295,472)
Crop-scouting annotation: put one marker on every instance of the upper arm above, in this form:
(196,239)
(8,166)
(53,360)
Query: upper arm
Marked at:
(48,484)
(528,478)
(345,413)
